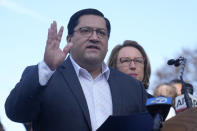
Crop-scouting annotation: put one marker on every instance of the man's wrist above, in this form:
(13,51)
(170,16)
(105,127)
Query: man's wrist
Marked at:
(44,73)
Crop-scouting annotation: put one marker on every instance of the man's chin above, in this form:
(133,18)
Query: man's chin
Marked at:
(94,59)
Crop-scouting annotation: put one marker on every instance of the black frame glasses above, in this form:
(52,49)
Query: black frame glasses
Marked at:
(88,31)
(126,61)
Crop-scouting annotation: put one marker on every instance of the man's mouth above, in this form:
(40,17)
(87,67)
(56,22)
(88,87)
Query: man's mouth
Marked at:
(93,47)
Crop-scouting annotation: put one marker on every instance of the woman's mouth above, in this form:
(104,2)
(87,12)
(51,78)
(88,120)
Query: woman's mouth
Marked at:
(133,75)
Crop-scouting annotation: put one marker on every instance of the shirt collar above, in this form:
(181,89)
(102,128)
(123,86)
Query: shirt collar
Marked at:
(105,68)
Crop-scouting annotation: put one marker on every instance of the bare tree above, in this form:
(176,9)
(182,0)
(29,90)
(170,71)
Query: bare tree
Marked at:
(167,73)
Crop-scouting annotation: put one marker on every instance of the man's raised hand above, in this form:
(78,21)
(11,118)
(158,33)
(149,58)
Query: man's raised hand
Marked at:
(53,55)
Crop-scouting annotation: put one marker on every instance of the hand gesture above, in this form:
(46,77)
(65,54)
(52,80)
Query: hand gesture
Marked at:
(53,55)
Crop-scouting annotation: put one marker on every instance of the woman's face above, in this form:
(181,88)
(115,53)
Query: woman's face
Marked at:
(130,61)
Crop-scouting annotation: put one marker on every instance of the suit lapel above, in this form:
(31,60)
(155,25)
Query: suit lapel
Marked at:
(68,70)
(75,86)
(115,92)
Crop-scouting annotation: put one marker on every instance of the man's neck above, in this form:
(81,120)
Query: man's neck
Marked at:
(94,73)
(93,69)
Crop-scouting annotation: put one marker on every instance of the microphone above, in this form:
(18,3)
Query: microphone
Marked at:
(187,89)
(171,61)
(175,62)
(159,108)
(180,104)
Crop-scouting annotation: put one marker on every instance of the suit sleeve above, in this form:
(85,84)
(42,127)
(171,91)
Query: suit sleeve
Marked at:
(23,103)
(144,97)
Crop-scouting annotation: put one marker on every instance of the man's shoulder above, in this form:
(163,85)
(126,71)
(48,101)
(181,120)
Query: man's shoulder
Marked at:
(30,68)
(120,76)
(117,73)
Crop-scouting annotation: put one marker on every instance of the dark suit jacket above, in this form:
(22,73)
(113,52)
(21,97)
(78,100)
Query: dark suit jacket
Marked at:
(61,104)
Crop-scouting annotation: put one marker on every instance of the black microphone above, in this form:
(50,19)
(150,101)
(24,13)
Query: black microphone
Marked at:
(174,62)
(171,62)
(159,108)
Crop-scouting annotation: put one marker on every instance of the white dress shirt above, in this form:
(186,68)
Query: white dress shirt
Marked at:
(171,113)
(97,91)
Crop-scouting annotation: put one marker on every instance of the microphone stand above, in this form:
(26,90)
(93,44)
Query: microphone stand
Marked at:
(181,60)
(184,90)
(157,122)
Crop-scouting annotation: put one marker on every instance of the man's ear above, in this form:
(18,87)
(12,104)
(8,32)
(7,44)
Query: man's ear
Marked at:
(68,39)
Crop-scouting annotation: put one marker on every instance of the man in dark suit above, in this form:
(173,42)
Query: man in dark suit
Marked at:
(81,92)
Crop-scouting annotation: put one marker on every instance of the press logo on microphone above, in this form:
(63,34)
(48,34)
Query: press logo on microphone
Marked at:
(180,103)
(159,100)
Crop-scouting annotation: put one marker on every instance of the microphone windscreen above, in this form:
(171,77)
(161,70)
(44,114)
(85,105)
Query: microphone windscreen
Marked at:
(171,62)
(177,63)
(159,105)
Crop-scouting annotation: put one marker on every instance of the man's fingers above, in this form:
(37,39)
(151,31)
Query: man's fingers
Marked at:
(49,36)
(52,32)
(54,39)
(59,35)
(67,48)
(56,42)
(54,27)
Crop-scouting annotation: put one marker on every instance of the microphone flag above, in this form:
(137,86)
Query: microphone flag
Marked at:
(180,104)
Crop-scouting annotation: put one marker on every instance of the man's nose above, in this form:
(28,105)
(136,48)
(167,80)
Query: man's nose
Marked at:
(94,35)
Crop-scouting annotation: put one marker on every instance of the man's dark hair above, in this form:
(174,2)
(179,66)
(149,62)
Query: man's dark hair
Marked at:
(74,19)
(176,81)
(188,86)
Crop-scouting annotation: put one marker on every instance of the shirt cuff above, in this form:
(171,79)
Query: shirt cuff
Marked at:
(44,73)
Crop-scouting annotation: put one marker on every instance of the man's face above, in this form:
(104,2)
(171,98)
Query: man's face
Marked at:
(89,48)
(178,88)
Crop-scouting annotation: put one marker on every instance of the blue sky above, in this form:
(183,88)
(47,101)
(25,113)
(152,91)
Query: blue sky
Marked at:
(162,27)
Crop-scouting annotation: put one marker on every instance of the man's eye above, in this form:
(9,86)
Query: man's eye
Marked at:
(84,30)
(101,32)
